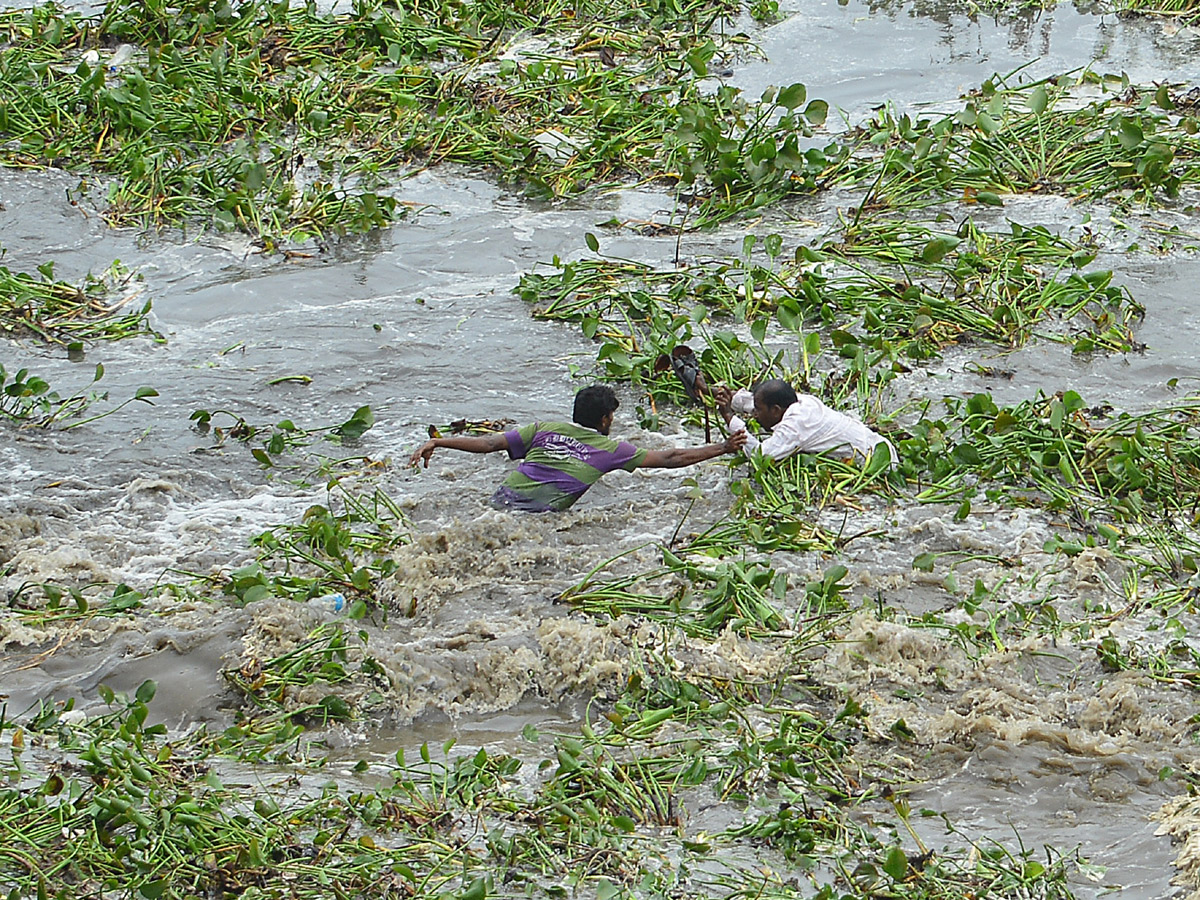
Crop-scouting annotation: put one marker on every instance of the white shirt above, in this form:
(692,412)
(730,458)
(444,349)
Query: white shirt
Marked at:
(810,426)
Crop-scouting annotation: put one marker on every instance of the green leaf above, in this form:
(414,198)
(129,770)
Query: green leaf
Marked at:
(335,707)
(1038,100)
(476,890)
(789,315)
(625,824)
(817,112)
(792,96)
(606,890)
(146,691)
(967,454)
(1130,134)
(152,890)
(896,864)
(593,243)
(935,251)
(924,562)
(255,593)
(357,425)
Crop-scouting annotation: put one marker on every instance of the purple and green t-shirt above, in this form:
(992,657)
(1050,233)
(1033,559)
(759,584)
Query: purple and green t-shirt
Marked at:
(559,462)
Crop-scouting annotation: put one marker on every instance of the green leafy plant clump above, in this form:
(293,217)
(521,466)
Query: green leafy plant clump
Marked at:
(58,313)
(211,114)
(131,808)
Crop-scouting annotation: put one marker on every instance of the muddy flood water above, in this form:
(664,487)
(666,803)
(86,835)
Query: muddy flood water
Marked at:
(1024,739)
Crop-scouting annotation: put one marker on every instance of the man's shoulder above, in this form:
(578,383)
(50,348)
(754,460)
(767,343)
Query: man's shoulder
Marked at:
(566,428)
(808,404)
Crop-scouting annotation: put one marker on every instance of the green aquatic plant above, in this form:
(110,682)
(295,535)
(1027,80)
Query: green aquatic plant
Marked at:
(1029,138)
(56,312)
(735,154)
(878,295)
(130,807)
(1054,450)
(133,810)
(798,488)
(348,551)
(329,657)
(282,438)
(30,400)
(60,603)
(703,598)
(1183,10)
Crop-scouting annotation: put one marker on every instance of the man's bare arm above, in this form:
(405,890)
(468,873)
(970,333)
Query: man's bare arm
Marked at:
(487,443)
(687,456)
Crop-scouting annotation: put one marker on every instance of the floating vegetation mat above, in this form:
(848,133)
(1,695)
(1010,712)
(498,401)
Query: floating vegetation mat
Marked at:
(129,809)
(272,119)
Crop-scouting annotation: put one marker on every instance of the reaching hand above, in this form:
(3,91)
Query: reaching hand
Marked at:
(735,441)
(423,453)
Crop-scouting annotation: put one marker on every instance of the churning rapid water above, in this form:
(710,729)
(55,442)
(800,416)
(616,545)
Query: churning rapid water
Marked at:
(420,323)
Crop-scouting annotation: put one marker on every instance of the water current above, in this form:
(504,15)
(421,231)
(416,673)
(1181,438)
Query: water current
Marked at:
(419,322)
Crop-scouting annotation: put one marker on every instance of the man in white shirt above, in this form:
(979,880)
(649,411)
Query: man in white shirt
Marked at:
(797,423)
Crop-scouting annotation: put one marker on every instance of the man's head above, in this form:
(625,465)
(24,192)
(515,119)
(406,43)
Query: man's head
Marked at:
(594,407)
(771,400)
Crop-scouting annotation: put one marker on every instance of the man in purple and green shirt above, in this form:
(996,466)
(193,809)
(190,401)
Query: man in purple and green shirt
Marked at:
(560,461)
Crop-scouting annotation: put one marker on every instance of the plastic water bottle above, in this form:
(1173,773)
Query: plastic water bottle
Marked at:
(333,603)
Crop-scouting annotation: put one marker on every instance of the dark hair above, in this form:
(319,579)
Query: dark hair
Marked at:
(775,393)
(594,403)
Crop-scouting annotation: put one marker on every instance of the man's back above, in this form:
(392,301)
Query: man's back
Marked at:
(559,462)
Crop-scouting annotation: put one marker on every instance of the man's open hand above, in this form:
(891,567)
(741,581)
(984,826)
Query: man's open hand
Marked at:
(423,453)
(735,441)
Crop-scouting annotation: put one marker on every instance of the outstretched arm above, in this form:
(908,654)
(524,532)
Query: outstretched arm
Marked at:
(488,443)
(687,456)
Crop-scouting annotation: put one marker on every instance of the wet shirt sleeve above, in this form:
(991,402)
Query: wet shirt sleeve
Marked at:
(788,436)
(736,423)
(742,403)
(520,440)
(628,457)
